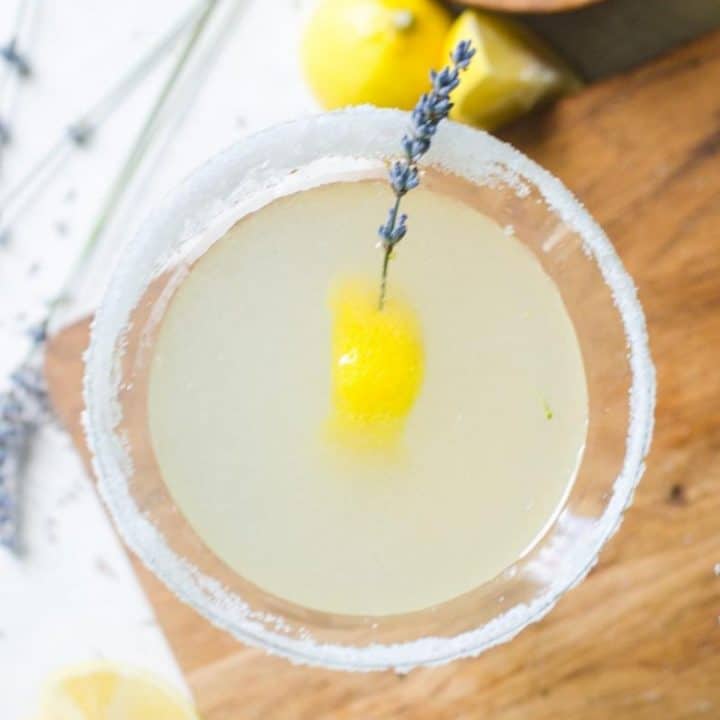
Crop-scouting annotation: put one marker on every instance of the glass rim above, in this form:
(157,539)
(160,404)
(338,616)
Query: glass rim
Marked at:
(372,133)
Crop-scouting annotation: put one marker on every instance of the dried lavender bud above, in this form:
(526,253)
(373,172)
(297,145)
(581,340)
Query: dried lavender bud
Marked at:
(23,407)
(432,108)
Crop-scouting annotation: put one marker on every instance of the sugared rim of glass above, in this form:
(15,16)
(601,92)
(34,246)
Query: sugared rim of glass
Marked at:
(253,165)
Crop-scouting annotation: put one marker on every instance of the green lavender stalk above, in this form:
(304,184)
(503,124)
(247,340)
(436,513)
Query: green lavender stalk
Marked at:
(80,131)
(134,159)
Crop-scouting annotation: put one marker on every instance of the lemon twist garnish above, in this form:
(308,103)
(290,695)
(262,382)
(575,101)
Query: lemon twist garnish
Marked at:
(377,350)
(377,365)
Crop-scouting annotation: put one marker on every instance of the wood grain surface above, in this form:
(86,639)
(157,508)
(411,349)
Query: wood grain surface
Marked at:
(640,638)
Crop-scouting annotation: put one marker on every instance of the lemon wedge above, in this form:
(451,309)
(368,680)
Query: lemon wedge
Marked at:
(373,51)
(377,364)
(102,691)
(511,72)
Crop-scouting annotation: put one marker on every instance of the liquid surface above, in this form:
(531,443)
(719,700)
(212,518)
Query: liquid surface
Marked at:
(240,393)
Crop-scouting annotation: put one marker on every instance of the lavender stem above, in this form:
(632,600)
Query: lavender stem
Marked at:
(404,174)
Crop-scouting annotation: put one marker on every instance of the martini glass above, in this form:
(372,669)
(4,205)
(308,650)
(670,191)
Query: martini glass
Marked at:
(506,186)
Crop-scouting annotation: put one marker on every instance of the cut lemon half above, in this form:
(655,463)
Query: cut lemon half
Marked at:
(103,691)
(512,71)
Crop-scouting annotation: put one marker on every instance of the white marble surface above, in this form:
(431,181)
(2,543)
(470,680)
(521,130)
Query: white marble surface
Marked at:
(73,597)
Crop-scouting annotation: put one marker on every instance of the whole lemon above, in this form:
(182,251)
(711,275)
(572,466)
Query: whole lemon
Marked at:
(373,51)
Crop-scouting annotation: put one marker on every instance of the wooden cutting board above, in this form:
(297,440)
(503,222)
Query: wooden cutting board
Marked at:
(640,637)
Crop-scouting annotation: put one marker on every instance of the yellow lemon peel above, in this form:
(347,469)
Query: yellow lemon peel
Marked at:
(377,365)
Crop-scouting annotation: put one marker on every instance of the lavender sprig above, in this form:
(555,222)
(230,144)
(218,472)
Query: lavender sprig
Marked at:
(23,408)
(80,132)
(404,174)
(16,64)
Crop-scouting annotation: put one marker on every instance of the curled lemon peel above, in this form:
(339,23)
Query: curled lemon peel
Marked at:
(378,365)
